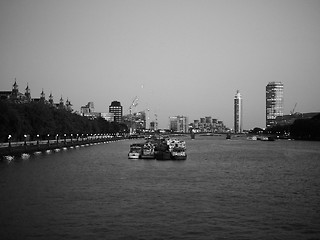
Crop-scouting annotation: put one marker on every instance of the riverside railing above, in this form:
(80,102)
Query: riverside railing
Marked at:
(54,142)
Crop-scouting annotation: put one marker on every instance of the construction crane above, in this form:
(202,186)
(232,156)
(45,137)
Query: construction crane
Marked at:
(293,110)
(133,104)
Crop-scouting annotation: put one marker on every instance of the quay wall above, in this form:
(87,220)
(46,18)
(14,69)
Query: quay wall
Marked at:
(31,147)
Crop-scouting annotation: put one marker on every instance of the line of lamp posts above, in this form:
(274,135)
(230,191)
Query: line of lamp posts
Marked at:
(83,137)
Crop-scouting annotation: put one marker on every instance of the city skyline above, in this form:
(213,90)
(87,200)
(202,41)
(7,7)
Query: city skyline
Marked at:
(179,57)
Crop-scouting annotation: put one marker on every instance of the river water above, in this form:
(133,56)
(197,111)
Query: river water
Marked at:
(226,189)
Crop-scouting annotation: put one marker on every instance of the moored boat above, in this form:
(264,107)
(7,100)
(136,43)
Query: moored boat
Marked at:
(159,148)
(179,153)
(162,152)
(171,149)
(148,151)
(135,151)
(163,155)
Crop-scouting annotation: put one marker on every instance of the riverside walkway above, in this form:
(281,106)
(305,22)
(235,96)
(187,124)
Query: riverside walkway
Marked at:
(29,147)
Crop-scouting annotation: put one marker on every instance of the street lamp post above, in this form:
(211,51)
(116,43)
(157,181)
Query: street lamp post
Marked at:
(25,142)
(9,140)
(38,141)
(48,139)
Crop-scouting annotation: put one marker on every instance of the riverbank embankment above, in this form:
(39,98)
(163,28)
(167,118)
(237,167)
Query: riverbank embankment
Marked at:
(16,150)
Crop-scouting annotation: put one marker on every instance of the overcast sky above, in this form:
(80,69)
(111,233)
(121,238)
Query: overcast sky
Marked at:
(179,57)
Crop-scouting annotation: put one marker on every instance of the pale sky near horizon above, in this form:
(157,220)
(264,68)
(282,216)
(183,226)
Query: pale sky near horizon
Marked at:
(179,57)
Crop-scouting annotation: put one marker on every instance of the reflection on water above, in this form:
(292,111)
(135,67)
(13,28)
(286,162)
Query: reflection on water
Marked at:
(235,189)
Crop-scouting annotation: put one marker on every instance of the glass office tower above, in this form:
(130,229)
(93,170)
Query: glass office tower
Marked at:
(274,102)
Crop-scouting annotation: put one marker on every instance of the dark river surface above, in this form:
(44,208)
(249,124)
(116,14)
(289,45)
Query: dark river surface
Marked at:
(226,189)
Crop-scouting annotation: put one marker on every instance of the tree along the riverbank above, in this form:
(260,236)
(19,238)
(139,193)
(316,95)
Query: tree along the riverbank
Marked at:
(35,118)
(301,129)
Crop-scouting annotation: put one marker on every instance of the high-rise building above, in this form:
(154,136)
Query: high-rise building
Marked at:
(274,102)
(178,124)
(237,113)
(116,109)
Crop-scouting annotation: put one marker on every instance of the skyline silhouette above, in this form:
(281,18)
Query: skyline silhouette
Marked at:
(179,57)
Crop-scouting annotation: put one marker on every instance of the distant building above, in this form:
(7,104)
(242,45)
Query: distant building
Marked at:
(208,124)
(196,124)
(41,99)
(208,120)
(15,96)
(153,126)
(87,110)
(5,95)
(136,122)
(147,120)
(289,119)
(51,99)
(116,109)
(178,124)
(139,120)
(28,94)
(274,102)
(220,127)
(68,106)
(237,113)
(107,116)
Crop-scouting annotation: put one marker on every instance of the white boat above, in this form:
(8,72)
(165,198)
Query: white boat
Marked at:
(179,153)
(135,151)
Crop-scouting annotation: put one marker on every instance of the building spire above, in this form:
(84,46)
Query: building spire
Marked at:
(15,85)
(42,96)
(27,93)
(15,90)
(51,98)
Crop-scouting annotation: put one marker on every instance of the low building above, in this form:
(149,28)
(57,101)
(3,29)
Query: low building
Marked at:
(107,116)
(5,95)
(289,119)
(86,110)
